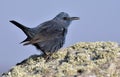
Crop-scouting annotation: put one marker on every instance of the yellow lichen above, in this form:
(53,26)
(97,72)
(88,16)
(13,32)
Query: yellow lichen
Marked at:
(98,59)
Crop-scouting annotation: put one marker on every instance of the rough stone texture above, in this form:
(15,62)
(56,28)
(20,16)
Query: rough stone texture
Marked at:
(84,59)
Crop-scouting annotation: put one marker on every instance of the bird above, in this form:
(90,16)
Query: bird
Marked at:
(50,35)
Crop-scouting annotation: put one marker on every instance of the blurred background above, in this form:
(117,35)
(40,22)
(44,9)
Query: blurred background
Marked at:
(99,21)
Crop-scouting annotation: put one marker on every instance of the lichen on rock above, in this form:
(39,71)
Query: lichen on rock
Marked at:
(84,59)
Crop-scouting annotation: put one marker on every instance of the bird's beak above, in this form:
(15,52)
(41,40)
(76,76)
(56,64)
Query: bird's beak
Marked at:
(74,18)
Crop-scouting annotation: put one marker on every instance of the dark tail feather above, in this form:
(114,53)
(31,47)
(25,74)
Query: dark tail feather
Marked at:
(25,29)
(22,27)
(27,39)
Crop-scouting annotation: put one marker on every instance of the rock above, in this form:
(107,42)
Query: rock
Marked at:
(84,59)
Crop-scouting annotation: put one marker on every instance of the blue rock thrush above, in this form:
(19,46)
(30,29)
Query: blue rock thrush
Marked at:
(49,36)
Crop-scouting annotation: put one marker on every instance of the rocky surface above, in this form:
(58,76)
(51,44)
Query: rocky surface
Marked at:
(84,59)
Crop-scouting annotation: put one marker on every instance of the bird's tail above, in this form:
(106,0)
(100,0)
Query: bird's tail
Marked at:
(25,29)
(22,27)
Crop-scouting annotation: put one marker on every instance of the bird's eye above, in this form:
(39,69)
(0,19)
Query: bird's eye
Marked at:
(65,18)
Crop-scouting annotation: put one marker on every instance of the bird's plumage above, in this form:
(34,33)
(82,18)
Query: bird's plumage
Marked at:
(48,36)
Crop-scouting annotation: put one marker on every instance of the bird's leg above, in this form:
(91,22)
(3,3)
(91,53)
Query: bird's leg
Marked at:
(48,57)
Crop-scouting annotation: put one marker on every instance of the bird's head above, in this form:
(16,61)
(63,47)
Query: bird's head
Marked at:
(65,18)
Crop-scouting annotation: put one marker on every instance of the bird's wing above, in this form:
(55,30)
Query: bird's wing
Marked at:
(48,31)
